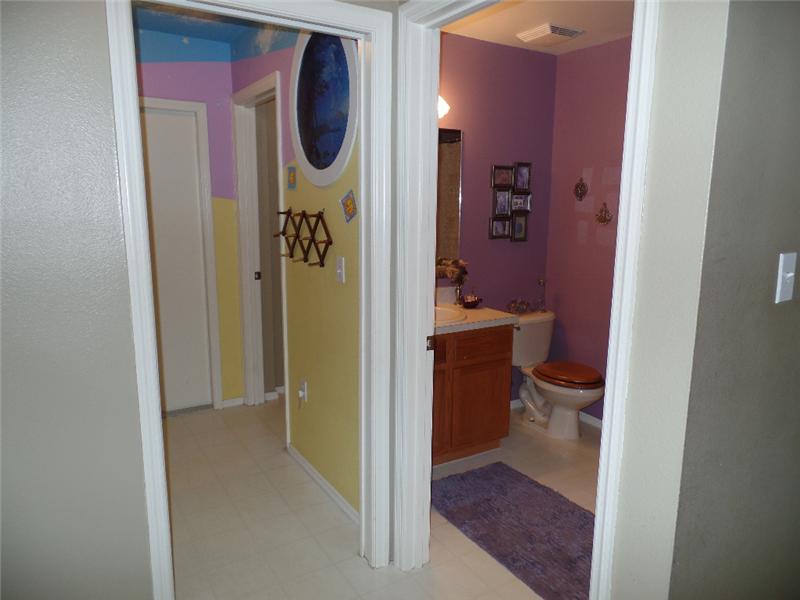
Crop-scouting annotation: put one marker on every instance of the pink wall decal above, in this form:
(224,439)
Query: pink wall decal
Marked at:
(208,82)
(502,99)
(591,91)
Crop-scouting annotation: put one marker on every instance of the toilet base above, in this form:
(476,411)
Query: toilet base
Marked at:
(554,409)
(561,425)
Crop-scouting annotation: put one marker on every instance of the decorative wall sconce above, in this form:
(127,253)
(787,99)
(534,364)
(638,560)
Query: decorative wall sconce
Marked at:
(443,107)
(604,215)
(581,189)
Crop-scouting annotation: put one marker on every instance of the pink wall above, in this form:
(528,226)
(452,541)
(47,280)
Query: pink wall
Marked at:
(591,88)
(248,70)
(502,98)
(208,82)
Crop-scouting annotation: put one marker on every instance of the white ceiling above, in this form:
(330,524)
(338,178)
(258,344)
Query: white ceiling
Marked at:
(602,21)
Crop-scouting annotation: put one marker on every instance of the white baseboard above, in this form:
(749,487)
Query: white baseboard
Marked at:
(231,402)
(584,417)
(590,420)
(334,495)
(270,396)
(280,389)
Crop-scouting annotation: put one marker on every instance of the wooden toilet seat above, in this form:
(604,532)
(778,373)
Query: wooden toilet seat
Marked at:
(569,374)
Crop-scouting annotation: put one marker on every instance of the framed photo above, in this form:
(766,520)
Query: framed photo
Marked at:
(502,203)
(519,227)
(499,228)
(522,177)
(502,177)
(521,202)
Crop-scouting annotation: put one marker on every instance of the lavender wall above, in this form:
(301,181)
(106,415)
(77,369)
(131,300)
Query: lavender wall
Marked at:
(590,100)
(502,98)
(249,70)
(210,83)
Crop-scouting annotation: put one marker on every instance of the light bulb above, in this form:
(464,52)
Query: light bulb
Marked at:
(444,107)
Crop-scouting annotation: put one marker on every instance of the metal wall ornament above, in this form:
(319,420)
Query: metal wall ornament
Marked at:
(604,215)
(581,189)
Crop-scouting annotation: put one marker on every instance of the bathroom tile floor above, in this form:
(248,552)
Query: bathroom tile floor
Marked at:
(248,522)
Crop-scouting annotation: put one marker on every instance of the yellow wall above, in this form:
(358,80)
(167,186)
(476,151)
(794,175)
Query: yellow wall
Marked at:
(226,246)
(323,337)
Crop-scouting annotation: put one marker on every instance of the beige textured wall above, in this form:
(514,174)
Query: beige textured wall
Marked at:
(73,507)
(738,530)
(690,49)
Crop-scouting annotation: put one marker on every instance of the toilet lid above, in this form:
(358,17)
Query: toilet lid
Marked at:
(569,374)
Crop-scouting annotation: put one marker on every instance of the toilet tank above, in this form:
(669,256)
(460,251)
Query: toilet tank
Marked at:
(532,339)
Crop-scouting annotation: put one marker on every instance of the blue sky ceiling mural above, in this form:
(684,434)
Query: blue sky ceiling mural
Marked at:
(168,34)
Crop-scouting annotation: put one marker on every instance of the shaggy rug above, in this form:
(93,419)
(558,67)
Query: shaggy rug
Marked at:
(535,532)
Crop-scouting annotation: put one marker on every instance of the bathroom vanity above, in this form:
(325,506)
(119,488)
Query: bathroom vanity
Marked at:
(471,383)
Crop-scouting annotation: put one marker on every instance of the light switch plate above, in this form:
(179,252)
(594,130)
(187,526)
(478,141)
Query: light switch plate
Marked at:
(302,392)
(787,267)
(340,274)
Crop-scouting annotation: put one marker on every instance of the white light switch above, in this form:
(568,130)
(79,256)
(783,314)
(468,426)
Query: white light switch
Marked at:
(340,269)
(787,267)
(302,391)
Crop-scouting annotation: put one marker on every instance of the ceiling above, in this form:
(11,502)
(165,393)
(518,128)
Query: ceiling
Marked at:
(179,21)
(601,20)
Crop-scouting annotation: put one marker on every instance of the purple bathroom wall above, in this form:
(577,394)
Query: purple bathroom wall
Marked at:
(590,101)
(502,98)
(210,83)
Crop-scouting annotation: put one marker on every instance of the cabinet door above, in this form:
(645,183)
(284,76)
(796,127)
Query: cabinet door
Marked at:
(480,402)
(441,413)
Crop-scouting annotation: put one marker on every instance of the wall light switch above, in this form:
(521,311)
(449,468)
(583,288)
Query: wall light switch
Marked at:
(302,392)
(340,275)
(787,267)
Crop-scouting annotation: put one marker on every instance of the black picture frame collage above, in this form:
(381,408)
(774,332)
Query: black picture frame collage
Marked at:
(511,201)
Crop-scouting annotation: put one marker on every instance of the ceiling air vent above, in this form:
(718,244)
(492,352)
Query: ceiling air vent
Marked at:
(549,34)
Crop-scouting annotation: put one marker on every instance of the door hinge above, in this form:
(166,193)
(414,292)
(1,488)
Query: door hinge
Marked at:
(431,343)
(257,275)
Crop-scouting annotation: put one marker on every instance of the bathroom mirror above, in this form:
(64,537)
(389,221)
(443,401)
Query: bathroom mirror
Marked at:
(448,193)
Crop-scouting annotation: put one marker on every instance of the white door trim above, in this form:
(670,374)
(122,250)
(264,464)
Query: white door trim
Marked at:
(375,28)
(198,111)
(244,133)
(244,127)
(629,232)
(417,133)
(418,73)
(133,198)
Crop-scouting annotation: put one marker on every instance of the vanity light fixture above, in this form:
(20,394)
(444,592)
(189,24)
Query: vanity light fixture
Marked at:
(443,107)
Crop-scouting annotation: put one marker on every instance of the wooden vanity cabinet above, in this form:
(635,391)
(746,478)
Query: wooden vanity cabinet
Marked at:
(471,391)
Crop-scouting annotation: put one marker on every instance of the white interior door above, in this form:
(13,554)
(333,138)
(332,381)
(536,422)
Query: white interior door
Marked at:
(175,200)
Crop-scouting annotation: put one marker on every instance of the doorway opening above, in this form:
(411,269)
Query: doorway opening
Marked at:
(420,44)
(313,460)
(535,248)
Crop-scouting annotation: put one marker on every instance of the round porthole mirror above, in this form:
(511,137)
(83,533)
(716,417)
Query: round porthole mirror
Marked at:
(324,97)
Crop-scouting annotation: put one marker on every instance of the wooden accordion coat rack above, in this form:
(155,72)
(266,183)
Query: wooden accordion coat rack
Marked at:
(304,233)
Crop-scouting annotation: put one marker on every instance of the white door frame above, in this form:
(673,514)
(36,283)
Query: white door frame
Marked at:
(418,81)
(244,132)
(198,112)
(375,28)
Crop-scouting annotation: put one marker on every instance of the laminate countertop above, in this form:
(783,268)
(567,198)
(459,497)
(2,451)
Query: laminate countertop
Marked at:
(474,318)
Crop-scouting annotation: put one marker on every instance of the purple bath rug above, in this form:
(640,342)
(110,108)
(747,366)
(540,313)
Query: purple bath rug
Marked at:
(535,532)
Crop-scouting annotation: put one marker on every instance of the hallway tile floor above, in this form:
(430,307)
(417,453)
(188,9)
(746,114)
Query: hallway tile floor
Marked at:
(248,522)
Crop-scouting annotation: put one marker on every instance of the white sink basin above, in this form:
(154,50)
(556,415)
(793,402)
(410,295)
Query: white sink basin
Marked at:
(448,314)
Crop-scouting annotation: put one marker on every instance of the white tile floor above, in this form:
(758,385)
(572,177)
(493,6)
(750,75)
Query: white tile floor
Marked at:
(247,522)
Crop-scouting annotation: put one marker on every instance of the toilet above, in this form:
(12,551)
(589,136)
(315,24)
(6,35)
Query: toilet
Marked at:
(553,392)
